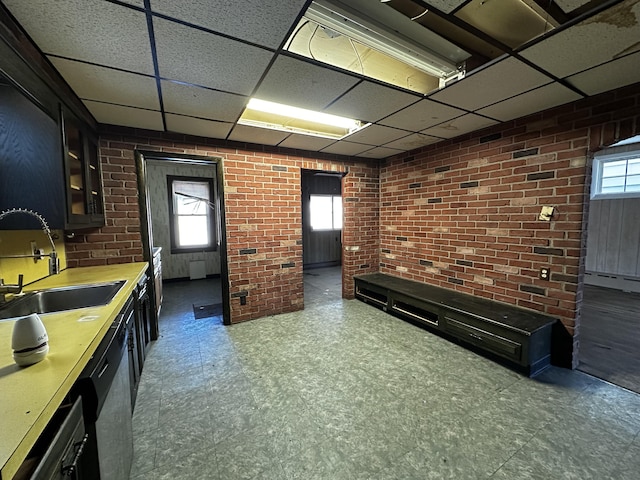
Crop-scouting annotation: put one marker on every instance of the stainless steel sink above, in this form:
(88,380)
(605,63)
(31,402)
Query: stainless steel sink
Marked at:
(59,299)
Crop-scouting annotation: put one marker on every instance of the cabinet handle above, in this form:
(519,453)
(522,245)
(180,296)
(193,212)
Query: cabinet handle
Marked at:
(70,470)
(477,337)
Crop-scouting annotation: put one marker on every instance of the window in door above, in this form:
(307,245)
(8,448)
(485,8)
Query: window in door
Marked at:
(192,211)
(616,172)
(325,212)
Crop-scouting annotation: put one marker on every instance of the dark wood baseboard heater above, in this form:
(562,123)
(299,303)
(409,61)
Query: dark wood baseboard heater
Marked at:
(519,338)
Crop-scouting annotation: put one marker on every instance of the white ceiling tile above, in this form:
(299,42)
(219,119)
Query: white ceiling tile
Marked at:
(306,142)
(264,136)
(530,102)
(343,147)
(194,56)
(201,102)
(446,6)
(90,30)
(107,85)
(600,79)
(380,152)
(599,39)
(197,126)
(421,115)
(377,135)
(503,79)
(125,116)
(264,23)
(301,84)
(412,141)
(370,102)
(570,5)
(458,126)
(136,3)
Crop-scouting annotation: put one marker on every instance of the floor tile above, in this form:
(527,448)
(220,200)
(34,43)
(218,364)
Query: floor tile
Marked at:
(343,390)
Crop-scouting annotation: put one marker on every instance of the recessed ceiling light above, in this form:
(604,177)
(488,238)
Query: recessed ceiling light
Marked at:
(287,118)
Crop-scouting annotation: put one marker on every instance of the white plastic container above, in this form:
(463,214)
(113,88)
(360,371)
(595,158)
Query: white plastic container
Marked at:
(30,342)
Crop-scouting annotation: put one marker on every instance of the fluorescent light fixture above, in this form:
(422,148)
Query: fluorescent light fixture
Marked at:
(368,28)
(286,118)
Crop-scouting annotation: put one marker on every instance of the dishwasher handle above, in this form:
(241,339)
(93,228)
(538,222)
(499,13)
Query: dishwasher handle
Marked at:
(72,469)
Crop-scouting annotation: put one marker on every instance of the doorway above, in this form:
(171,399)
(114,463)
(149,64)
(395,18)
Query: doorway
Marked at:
(322,235)
(610,325)
(182,213)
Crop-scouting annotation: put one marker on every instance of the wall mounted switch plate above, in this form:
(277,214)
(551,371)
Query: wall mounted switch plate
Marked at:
(546,213)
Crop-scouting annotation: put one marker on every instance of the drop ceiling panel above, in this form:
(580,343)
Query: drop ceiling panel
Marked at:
(245,133)
(570,5)
(530,102)
(421,115)
(137,3)
(415,140)
(197,126)
(346,148)
(377,135)
(90,30)
(306,142)
(370,102)
(458,126)
(301,84)
(107,85)
(125,116)
(201,102)
(490,85)
(202,58)
(600,79)
(606,36)
(264,23)
(446,6)
(380,152)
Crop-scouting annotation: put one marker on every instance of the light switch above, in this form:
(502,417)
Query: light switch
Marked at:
(546,213)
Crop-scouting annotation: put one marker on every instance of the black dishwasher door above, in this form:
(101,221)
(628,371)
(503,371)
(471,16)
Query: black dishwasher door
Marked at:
(62,458)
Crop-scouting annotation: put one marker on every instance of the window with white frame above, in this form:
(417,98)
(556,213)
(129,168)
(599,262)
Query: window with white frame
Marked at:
(325,212)
(616,172)
(192,214)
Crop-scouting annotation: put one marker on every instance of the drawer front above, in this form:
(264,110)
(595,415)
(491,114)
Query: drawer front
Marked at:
(414,309)
(461,328)
(372,294)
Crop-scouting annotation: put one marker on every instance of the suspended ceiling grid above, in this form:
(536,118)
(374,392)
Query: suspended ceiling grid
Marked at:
(191,66)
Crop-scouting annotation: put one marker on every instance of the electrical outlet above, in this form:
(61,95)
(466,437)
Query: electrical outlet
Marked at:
(545,273)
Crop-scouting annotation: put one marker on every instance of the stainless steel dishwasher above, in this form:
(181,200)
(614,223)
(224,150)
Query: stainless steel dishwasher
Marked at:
(106,391)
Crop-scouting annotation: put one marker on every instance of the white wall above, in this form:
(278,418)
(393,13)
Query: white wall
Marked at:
(613,241)
(175,265)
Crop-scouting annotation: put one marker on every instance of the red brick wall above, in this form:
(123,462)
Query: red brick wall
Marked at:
(463,214)
(262,194)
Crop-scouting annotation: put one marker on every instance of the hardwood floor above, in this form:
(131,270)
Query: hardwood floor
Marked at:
(610,336)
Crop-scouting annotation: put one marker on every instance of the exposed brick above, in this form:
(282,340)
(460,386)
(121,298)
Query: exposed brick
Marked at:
(468,184)
(525,153)
(533,289)
(426,263)
(548,251)
(434,200)
(490,138)
(540,176)
(444,168)
(415,185)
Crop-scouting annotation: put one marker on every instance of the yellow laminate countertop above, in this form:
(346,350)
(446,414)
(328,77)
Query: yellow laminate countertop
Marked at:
(30,396)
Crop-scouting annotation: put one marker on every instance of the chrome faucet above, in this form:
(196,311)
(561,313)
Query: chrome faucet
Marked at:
(54,264)
(4,289)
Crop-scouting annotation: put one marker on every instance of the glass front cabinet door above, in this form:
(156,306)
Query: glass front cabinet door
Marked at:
(83,175)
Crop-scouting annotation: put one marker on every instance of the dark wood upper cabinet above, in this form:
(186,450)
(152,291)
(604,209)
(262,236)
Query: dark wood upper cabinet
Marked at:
(83,178)
(49,157)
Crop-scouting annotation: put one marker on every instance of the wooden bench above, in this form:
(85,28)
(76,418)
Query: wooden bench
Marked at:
(521,338)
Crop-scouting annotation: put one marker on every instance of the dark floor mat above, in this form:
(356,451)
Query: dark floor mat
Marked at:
(206,311)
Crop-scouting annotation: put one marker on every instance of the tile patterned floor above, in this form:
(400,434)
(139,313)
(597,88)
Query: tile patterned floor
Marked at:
(345,391)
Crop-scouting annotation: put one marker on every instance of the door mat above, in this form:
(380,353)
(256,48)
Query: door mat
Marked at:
(206,311)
